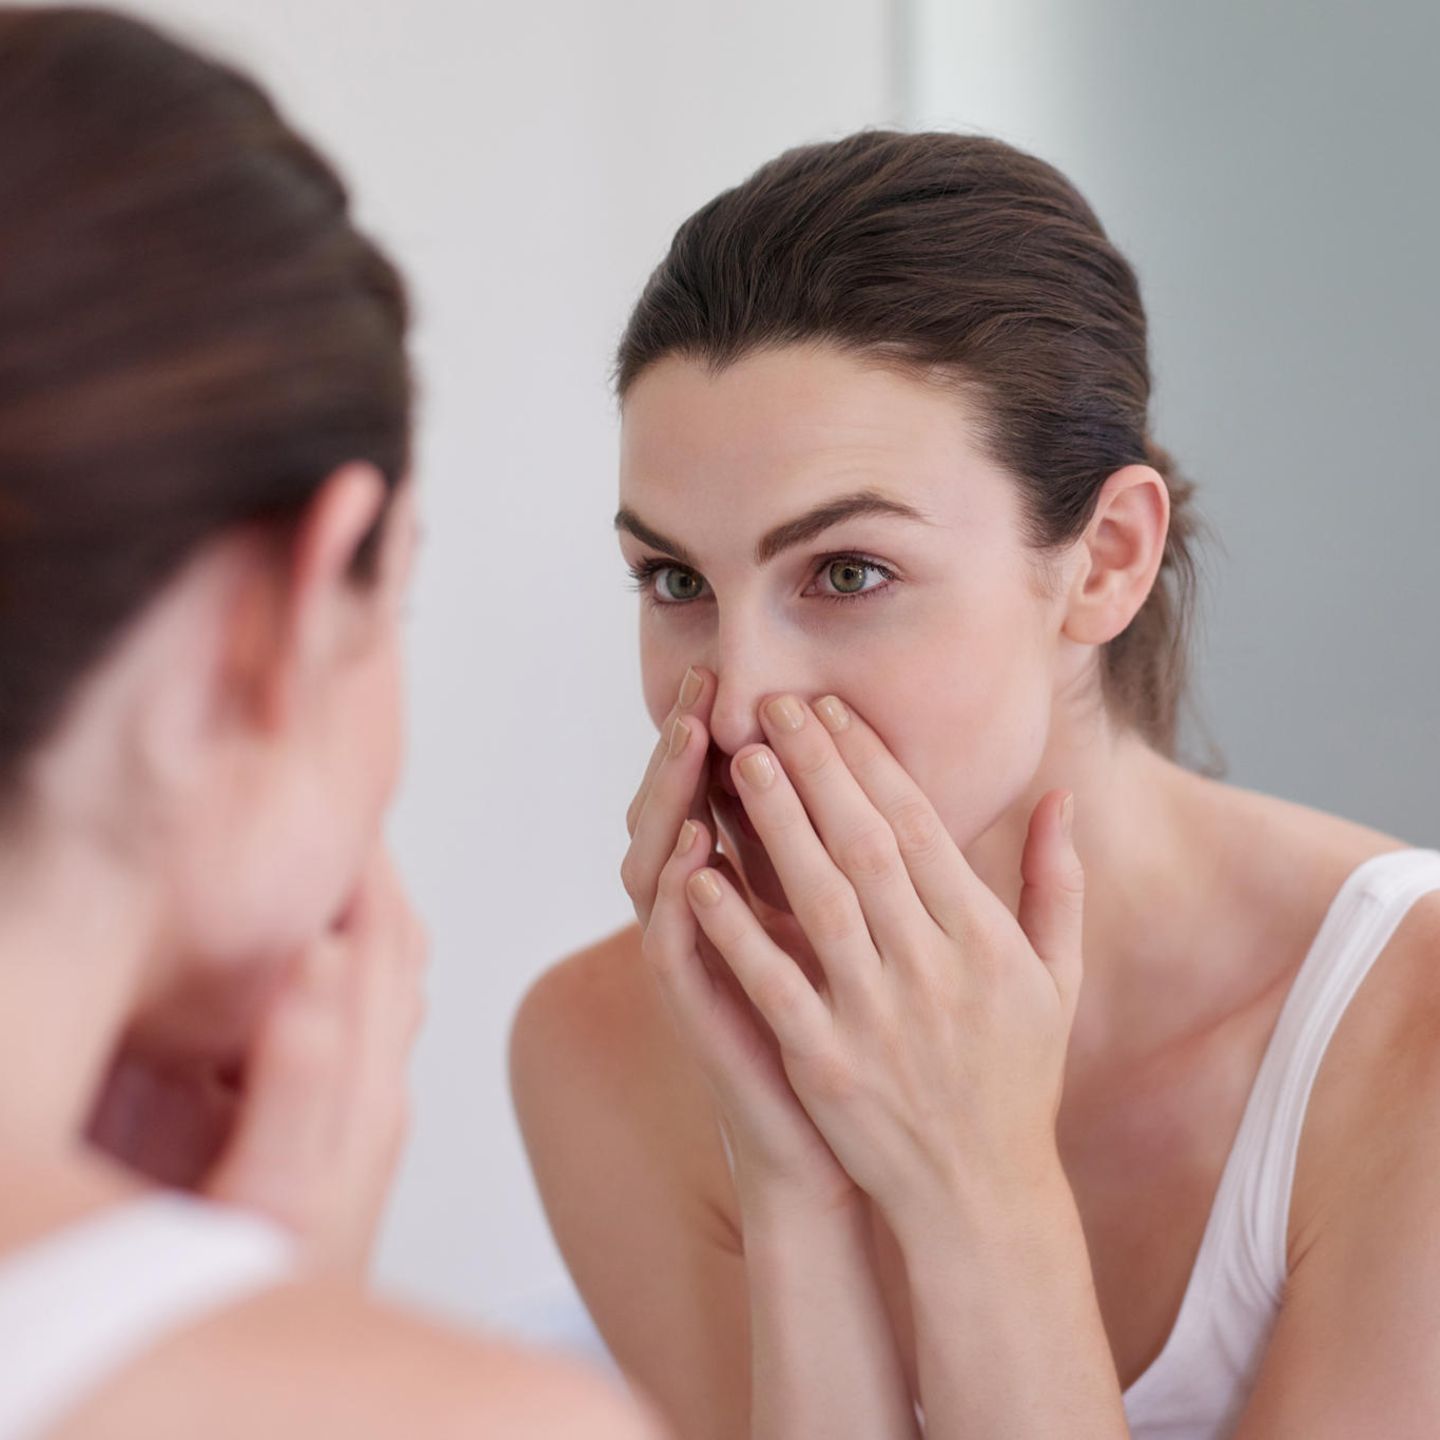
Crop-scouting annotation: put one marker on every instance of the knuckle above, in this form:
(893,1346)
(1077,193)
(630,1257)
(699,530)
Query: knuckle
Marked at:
(809,762)
(630,874)
(777,997)
(917,828)
(831,914)
(832,1077)
(870,855)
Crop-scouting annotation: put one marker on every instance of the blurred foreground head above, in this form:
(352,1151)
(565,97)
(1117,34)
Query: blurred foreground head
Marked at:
(205,516)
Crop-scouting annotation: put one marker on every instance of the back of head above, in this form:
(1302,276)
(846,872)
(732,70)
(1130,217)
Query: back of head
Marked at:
(193,334)
(961,259)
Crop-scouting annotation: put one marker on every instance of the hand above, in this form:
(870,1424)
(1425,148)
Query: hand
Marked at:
(778,1153)
(310,1131)
(932,1057)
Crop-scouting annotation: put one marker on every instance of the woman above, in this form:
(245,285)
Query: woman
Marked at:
(209,971)
(916,583)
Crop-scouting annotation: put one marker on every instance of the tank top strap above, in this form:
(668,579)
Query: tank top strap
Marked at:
(79,1304)
(1363,917)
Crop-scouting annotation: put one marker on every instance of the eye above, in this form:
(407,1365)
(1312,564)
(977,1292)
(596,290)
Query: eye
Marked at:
(849,575)
(664,584)
(674,585)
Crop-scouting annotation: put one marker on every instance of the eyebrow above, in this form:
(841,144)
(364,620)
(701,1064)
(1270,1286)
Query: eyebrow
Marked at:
(789,534)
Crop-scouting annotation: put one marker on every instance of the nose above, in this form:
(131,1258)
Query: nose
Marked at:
(749,664)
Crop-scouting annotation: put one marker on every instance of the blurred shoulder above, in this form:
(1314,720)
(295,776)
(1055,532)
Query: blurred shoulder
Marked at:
(320,1358)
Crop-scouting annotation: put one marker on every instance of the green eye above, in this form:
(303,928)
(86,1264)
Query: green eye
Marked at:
(676,584)
(848,576)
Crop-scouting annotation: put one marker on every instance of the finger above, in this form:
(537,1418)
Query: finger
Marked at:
(284,1134)
(786,1000)
(857,837)
(705,1003)
(822,899)
(694,695)
(676,791)
(947,886)
(1052,901)
(387,982)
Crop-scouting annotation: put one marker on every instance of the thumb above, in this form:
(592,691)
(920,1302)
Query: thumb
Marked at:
(1052,900)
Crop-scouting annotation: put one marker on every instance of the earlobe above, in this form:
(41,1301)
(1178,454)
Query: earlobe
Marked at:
(1124,544)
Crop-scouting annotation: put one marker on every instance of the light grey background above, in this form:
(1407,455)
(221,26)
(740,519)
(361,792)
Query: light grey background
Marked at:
(1268,168)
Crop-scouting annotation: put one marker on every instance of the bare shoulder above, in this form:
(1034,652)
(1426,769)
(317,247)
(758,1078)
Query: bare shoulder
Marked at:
(320,1359)
(592,1032)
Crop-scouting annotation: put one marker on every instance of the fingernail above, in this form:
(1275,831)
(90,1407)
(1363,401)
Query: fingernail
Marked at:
(758,769)
(688,831)
(705,887)
(690,688)
(679,734)
(833,713)
(785,713)
(1067,814)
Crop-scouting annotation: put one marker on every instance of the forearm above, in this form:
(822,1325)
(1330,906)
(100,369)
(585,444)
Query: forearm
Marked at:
(1009,1339)
(823,1353)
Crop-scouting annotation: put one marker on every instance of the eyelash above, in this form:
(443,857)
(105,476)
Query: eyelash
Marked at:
(643,573)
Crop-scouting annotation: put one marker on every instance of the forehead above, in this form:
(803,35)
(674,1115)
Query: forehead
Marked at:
(782,429)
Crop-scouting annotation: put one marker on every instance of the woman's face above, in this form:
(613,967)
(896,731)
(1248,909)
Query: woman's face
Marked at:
(806,521)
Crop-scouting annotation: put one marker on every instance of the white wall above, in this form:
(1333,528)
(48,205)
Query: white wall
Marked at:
(1269,167)
(527,164)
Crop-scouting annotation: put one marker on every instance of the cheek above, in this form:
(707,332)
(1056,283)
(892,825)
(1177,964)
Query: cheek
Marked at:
(965,708)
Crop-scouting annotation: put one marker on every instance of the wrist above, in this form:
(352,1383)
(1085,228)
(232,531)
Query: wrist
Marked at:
(776,1198)
(984,1210)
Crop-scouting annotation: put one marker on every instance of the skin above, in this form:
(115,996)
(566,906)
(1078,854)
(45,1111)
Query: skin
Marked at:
(232,1009)
(1052,1173)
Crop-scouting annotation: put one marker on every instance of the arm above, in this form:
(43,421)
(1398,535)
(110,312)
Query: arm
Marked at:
(620,1126)
(823,1358)
(1009,1338)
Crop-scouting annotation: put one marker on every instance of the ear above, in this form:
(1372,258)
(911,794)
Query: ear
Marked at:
(1121,551)
(300,613)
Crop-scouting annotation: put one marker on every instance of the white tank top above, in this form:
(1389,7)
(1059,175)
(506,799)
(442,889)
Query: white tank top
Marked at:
(83,1302)
(1197,1386)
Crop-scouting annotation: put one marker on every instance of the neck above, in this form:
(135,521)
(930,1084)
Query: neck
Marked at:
(1148,832)
(76,945)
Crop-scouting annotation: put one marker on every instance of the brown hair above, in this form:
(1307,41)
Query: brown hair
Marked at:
(961,256)
(193,334)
